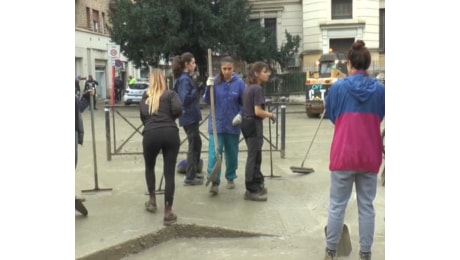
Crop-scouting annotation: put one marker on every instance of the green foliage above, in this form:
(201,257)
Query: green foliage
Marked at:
(145,30)
(148,30)
(288,50)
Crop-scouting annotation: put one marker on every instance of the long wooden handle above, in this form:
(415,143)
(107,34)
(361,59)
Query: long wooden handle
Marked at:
(209,63)
(213,112)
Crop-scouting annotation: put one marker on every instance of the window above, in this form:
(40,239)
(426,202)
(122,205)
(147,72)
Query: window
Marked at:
(139,86)
(382,30)
(341,9)
(255,21)
(88,17)
(270,29)
(103,23)
(144,71)
(270,25)
(95,20)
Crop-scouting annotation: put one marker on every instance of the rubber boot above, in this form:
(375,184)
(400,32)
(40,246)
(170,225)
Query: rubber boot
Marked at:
(169,217)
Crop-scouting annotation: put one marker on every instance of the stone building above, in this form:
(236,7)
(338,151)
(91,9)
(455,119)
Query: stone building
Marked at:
(324,25)
(321,24)
(92,42)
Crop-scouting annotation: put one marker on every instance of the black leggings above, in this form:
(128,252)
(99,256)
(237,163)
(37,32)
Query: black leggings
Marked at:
(167,140)
(252,130)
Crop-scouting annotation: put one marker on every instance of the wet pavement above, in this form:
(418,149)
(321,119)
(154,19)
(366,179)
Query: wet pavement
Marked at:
(289,225)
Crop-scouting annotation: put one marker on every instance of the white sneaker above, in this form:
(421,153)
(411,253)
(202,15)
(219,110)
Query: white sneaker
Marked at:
(214,189)
(230,185)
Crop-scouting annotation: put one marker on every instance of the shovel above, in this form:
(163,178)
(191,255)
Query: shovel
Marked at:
(218,164)
(344,246)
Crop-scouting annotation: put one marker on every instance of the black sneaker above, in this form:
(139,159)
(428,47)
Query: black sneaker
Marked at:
(255,196)
(80,207)
(330,254)
(364,255)
(264,191)
(196,181)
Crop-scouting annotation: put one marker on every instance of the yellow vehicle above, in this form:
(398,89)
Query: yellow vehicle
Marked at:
(331,66)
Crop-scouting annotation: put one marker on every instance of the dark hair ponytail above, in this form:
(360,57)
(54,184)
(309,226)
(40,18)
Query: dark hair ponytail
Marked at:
(251,70)
(178,63)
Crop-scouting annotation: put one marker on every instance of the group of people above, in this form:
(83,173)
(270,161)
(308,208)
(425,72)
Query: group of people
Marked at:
(238,108)
(354,104)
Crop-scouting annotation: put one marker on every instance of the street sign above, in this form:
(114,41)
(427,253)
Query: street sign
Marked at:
(118,63)
(113,51)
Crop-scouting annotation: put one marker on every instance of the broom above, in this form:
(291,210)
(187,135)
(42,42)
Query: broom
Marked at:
(302,169)
(218,164)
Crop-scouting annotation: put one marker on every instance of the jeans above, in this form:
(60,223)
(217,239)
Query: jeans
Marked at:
(194,150)
(340,192)
(228,145)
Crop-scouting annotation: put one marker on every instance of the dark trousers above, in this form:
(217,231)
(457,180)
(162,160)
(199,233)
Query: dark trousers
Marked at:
(76,148)
(167,140)
(118,94)
(253,136)
(194,150)
(94,99)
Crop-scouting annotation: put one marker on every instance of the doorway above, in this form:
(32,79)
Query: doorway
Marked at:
(341,45)
(101,89)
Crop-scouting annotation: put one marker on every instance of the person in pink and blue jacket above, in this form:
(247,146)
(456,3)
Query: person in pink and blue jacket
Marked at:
(356,106)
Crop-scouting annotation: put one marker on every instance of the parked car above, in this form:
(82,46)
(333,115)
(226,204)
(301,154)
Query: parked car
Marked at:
(133,93)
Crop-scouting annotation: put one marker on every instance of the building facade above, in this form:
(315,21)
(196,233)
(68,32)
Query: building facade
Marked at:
(92,42)
(321,24)
(280,16)
(325,24)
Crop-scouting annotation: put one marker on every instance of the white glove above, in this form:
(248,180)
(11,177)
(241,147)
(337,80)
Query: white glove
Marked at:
(273,118)
(210,81)
(237,120)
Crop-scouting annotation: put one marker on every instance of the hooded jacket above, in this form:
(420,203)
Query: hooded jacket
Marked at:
(228,102)
(189,96)
(356,106)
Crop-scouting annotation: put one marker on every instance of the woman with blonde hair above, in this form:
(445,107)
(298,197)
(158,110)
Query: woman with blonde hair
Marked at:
(159,109)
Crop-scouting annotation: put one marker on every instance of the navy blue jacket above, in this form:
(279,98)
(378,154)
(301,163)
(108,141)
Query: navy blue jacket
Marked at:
(189,96)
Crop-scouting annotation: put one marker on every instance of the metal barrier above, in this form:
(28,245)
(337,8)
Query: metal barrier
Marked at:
(115,112)
(96,181)
(278,108)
